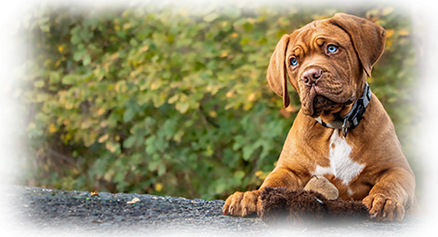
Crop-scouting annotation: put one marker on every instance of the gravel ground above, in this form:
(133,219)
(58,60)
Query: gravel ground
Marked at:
(43,212)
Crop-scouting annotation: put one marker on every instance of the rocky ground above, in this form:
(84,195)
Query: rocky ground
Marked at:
(42,212)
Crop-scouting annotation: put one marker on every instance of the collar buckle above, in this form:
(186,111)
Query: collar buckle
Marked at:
(344,127)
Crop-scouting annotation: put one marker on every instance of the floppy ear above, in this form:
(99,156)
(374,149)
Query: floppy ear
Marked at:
(277,70)
(368,38)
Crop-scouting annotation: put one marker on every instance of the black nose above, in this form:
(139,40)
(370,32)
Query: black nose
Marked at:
(311,76)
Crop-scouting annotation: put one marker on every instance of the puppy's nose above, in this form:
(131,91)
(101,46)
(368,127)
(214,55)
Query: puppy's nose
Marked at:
(311,76)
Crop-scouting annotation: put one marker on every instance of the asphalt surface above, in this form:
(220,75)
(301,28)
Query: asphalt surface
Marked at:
(41,212)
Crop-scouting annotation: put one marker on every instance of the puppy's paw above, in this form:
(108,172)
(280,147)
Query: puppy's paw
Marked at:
(383,208)
(243,204)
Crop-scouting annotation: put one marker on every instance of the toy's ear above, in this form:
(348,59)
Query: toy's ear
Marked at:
(322,185)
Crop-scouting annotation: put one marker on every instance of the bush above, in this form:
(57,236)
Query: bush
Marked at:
(164,97)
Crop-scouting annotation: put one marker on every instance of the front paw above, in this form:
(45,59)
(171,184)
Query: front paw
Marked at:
(243,204)
(383,208)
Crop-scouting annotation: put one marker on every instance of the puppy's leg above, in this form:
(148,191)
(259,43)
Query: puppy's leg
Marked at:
(249,202)
(389,198)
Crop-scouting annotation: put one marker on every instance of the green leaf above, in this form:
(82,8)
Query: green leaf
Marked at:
(86,60)
(54,77)
(43,97)
(39,84)
(247,26)
(129,114)
(182,107)
(130,141)
(248,150)
(173,99)
(43,20)
(45,28)
(69,79)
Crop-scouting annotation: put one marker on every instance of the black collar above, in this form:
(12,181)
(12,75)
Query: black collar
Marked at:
(352,119)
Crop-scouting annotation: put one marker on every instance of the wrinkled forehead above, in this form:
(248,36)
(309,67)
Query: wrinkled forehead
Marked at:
(318,33)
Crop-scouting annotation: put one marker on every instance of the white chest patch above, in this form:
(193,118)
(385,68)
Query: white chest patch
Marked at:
(341,166)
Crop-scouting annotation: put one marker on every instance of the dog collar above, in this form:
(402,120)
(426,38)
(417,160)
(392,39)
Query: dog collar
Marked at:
(352,119)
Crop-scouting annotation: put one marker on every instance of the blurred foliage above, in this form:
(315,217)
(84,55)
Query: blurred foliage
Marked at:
(171,102)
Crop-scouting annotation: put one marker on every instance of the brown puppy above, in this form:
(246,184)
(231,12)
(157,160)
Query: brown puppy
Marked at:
(327,62)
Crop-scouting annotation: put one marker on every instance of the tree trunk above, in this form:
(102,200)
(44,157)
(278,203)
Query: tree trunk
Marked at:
(425,32)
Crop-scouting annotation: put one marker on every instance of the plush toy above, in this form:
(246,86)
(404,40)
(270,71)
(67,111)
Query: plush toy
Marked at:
(318,202)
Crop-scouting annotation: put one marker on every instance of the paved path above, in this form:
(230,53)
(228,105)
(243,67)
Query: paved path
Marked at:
(43,212)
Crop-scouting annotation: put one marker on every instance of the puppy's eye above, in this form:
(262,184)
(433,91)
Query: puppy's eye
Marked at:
(293,61)
(332,48)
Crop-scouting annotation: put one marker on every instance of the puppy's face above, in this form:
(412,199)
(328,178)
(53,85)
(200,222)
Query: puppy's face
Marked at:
(327,62)
(323,67)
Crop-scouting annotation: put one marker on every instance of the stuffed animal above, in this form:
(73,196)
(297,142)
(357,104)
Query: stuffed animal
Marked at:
(318,202)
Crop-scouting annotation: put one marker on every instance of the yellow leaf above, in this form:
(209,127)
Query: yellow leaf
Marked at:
(158,187)
(389,33)
(224,54)
(251,97)
(100,111)
(388,43)
(114,56)
(229,94)
(52,128)
(103,138)
(212,114)
(261,175)
(247,106)
(134,200)
(104,123)
(57,63)
(67,138)
(60,48)
(403,32)
(155,85)
(234,35)
(110,147)
(209,151)
(121,87)
(144,49)
(6,89)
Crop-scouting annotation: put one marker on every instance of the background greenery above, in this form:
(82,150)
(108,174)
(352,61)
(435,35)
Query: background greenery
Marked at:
(174,101)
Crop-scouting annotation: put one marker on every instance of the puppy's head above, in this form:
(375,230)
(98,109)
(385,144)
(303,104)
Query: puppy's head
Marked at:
(327,62)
